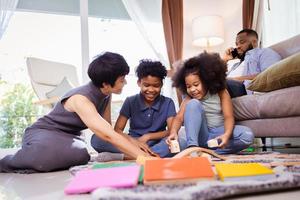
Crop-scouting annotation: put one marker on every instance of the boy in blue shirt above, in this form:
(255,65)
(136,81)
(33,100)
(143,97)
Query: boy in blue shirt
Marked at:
(149,113)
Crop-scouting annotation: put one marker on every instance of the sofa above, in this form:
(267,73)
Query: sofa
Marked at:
(274,108)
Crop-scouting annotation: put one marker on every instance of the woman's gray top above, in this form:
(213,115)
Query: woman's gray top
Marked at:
(64,121)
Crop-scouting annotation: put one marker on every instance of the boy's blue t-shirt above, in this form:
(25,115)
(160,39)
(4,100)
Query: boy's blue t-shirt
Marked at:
(144,119)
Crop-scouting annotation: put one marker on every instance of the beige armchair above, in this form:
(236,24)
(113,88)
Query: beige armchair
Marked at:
(46,76)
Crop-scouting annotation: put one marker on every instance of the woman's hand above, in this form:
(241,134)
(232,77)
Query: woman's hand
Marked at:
(224,140)
(143,146)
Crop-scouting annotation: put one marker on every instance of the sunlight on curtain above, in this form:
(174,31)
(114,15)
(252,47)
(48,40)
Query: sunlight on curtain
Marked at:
(148,19)
(7,8)
(282,21)
(258,19)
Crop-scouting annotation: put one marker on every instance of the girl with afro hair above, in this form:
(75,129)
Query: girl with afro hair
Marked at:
(206,110)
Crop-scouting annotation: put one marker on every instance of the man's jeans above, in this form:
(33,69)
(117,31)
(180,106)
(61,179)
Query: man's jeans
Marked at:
(197,132)
(235,88)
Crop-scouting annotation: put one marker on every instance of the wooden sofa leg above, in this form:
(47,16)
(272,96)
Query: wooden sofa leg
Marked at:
(264,147)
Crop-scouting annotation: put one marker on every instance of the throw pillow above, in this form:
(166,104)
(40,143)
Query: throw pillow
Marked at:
(283,74)
(63,87)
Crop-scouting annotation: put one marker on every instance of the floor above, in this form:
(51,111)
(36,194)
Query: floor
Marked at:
(46,186)
(49,186)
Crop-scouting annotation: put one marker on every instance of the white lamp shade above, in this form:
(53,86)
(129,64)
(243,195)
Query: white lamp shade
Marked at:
(208,31)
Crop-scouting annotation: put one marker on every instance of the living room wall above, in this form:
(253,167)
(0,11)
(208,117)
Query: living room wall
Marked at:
(230,10)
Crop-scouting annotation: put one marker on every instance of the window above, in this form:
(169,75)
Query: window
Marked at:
(120,36)
(51,30)
(39,35)
(281,20)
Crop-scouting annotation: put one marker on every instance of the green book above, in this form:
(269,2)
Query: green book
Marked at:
(119,164)
(111,165)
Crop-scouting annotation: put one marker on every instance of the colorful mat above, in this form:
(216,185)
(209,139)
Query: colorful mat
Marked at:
(286,166)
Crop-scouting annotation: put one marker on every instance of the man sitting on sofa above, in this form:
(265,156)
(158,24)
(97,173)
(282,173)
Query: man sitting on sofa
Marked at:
(253,60)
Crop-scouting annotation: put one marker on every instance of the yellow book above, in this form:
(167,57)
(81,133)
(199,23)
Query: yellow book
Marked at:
(243,171)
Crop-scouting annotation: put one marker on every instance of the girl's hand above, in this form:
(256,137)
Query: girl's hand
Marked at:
(172,136)
(224,140)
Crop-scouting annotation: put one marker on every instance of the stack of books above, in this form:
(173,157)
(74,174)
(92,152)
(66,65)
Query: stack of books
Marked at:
(163,171)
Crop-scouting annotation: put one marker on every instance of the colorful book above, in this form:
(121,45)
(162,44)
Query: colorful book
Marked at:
(112,164)
(243,171)
(176,170)
(119,164)
(86,181)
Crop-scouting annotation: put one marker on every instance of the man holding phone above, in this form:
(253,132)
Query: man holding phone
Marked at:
(253,60)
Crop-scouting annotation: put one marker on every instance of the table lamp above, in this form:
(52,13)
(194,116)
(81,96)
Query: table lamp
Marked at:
(208,31)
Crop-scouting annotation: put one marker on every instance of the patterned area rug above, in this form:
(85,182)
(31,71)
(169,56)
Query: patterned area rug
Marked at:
(286,167)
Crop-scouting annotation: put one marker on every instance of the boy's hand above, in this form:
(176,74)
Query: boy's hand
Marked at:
(224,140)
(144,139)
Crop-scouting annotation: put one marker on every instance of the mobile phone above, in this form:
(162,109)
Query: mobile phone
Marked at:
(234,53)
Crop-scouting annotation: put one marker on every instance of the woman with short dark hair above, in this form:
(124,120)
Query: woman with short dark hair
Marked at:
(53,142)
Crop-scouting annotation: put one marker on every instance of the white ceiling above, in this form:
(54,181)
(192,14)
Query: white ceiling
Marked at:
(112,9)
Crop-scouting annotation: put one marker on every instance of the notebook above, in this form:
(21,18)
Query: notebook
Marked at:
(177,170)
(86,181)
(243,171)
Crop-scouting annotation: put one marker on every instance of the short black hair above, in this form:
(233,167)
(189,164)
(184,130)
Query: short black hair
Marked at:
(150,68)
(249,32)
(107,68)
(210,68)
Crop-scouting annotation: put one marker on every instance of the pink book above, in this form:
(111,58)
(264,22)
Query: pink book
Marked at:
(86,181)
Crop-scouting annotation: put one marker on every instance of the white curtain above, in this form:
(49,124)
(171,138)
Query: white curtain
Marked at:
(258,19)
(7,8)
(281,20)
(148,19)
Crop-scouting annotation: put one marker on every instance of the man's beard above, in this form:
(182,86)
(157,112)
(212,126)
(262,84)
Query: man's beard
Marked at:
(242,57)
